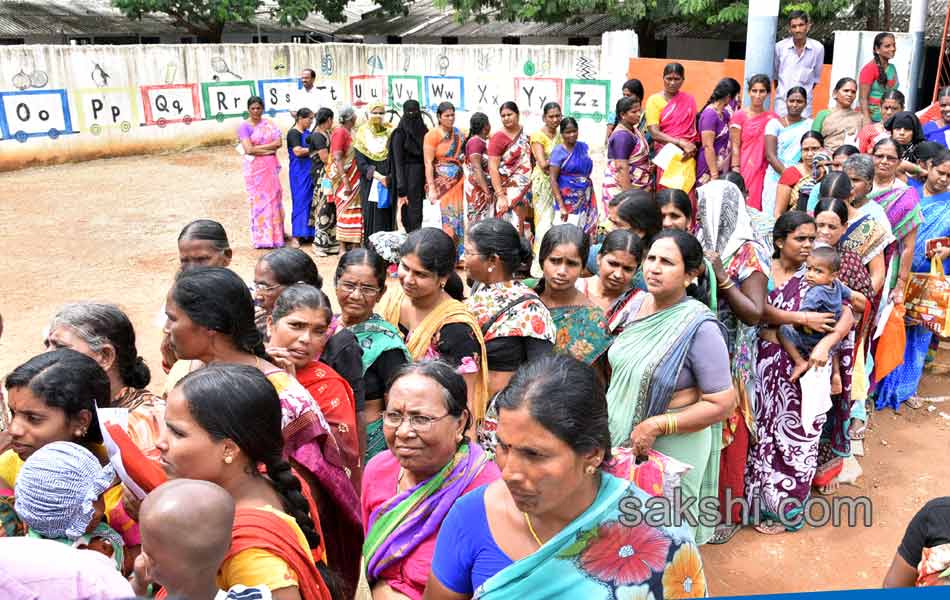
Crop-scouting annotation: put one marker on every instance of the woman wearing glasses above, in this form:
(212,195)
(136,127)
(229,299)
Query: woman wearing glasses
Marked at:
(409,488)
(360,282)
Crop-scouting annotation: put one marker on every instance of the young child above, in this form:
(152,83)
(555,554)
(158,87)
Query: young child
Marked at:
(825,295)
(186,534)
(58,495)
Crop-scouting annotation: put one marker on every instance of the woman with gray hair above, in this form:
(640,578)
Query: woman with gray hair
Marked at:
(104,333)
(345,182)
(860,170)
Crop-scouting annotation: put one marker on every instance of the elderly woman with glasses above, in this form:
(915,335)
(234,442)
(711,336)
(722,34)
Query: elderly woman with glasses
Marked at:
(409,488)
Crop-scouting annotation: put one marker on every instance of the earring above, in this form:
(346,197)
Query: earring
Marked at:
(591,469)
(227,460)
(490,269)
(80,433)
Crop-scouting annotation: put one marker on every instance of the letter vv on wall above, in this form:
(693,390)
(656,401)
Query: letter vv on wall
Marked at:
(63,103)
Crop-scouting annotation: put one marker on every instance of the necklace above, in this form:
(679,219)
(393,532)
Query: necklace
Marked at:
(527,520)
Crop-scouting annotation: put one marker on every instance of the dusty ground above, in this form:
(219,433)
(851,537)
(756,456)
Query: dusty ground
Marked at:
(106,230)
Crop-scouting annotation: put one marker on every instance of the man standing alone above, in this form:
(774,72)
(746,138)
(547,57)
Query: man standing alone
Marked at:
(306,95)
(798,62)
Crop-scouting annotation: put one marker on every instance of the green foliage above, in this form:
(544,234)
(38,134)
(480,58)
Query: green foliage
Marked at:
(208,17)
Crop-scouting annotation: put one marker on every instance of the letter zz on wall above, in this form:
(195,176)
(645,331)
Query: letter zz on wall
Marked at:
(34,113)
(587,98)
(226,99)
(174,103)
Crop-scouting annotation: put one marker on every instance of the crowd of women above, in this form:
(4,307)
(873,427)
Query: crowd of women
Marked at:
(454,435)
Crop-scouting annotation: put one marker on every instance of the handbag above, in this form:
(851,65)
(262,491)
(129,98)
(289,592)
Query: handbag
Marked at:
(927,299)
(382,200)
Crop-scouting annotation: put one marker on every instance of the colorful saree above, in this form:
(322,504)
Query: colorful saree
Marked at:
(322,209)
(646,359)
(398,526)
(638,163)
(478,203)
(515,170)
(349,215)
(581,332)
(542,200)
(902,382)
(421,341)
(375,336)
(677,119)
(902,207)
(605,554)
(935,133)
(784,459)
(752,161)
(449,187)
(575,186)
(718,124)
(336,400)
(838,126)
(262,181)
(789,151)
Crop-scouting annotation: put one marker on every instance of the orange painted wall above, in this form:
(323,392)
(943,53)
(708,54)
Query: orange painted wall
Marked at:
(701,77)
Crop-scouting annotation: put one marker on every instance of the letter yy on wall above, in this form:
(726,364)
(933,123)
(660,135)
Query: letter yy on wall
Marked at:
(34,113)
(532,93)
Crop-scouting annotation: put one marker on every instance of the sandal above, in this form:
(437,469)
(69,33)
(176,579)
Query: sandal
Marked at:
(857,433)
(828,489)
(724,533)
(914,402)
(769,528)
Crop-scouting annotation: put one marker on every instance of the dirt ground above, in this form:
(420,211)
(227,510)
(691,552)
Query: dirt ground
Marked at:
(106,230)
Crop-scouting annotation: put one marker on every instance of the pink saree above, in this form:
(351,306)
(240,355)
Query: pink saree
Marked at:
(678,119)
(262,180)
(753,163)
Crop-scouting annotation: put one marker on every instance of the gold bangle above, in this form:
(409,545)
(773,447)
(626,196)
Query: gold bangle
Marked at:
(672,423)
(729,284)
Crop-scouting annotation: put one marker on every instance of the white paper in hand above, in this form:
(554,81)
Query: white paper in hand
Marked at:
(816,395)
(664,156)
(431,214)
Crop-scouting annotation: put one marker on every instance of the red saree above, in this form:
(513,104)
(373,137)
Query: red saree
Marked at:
(678,119)
(336,400)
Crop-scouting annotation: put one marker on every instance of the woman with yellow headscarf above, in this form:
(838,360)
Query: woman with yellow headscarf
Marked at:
(371,143)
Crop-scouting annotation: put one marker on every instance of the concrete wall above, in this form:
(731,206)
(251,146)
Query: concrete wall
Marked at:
(62,103)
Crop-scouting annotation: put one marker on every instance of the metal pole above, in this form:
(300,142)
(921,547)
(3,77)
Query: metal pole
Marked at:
(760,40)
(918,22)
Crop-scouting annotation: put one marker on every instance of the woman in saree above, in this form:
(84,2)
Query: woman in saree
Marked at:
(892,102)
(936,130)
(571,186)
(479,199)
(224,426)
(628,155)
(581,327)
(631,87)
(554,526)
(323,210)
(297,331)
(796,183)
(831,218)
(443,148)
(866,238)
(783,144)
(543,143)
(715,154)
(301,180)
(840,124)
(211,321)
(671,119)
(434,323)
(670,387)
(371,143)
(360,282)
(747,131)
(901,205)
(260,139)
(900,386)
(410,487)
(783,461)
(878,76)
(516,325)
(741,262)
(509,165)
(617,262)
(345,181)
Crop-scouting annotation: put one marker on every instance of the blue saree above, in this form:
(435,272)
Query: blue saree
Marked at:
(575,186)
(901,383)
(604,554)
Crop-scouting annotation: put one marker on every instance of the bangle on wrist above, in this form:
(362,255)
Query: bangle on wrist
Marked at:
(728,283)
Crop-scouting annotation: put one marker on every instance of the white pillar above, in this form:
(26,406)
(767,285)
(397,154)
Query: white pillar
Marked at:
(616,50)
(760,41)
(918,22)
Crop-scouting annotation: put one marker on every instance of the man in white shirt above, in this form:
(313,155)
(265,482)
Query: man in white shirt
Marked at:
(306,95)
(798,62)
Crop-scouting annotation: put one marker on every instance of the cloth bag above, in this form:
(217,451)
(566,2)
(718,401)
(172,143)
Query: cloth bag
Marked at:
(658,475)
(927,299)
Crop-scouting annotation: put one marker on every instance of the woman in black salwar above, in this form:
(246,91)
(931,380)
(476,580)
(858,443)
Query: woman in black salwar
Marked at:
(407,175)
